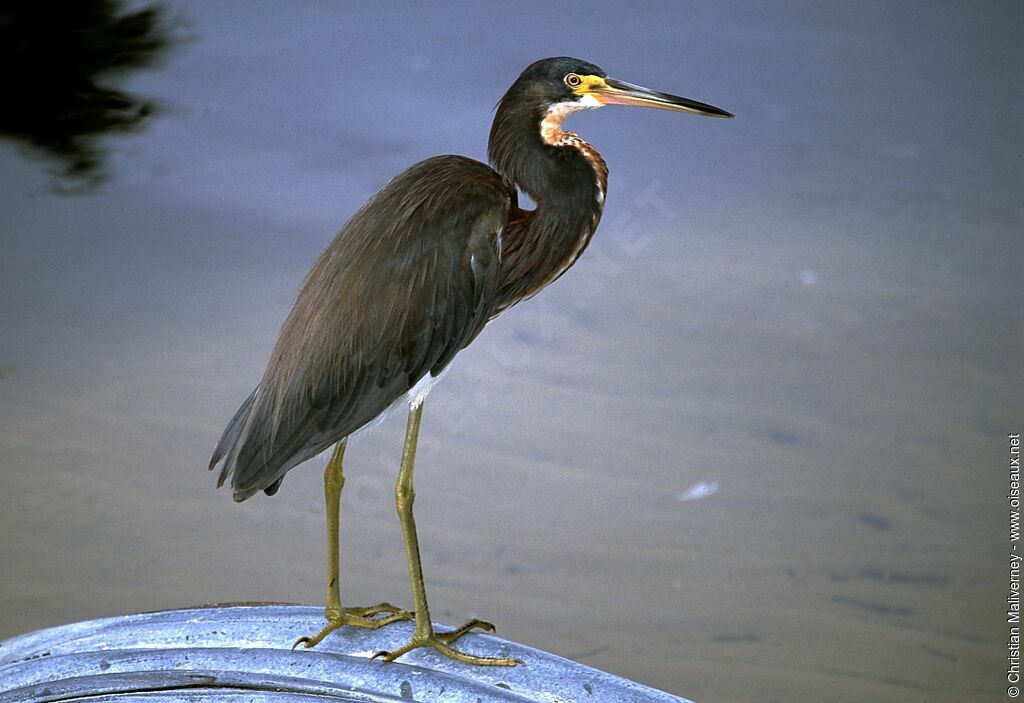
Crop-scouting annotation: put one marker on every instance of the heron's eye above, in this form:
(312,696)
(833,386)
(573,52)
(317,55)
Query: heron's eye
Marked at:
(572,80)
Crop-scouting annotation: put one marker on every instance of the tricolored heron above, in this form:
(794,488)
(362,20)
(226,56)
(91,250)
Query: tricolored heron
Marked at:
(412,279)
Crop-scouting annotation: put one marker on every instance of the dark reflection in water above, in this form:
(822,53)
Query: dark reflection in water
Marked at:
(57,95)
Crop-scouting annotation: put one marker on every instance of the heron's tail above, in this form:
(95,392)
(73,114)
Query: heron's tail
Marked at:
(251,459)
(230,437)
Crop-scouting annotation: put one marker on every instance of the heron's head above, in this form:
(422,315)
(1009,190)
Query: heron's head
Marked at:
(562,85)
(545,94)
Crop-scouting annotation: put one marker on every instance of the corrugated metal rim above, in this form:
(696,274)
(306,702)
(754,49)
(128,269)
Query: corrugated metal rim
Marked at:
(243,653)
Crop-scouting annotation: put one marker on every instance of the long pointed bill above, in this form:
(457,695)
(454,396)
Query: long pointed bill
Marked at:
(613,92)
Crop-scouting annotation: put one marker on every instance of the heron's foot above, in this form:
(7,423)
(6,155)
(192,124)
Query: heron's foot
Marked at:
(356,617)
(381,608)
(442,643)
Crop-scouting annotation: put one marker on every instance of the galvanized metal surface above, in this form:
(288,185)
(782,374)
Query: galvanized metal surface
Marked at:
(243,653)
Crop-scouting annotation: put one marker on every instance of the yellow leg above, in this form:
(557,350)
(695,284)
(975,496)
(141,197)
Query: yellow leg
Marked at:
(424,635)
(334,481)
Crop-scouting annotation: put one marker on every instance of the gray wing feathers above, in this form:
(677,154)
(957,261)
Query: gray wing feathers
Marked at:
(409,281)
(231,433)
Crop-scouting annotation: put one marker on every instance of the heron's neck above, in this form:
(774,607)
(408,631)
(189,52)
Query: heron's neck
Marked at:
(567,179)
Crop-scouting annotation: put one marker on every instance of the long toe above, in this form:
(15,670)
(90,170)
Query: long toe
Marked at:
(474,624)
(437,643)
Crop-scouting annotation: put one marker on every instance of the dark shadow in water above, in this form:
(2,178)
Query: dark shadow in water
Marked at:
(732,638)
(896,577)
(874,521)
(57,96)
(874,607)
